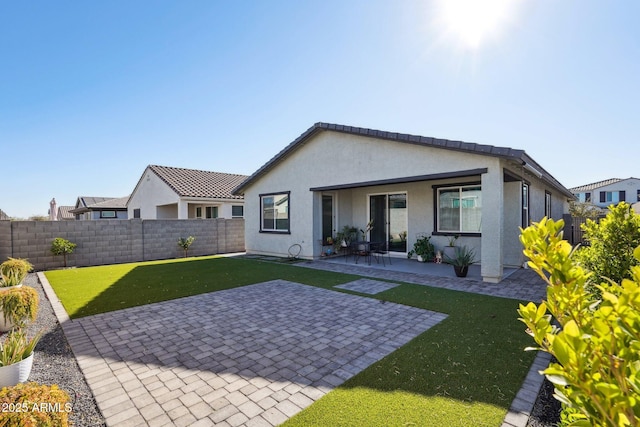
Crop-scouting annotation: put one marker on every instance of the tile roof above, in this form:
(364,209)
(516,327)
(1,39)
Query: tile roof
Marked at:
(87,203)
(64,212)
(594,185)
(516,155)
(198,183)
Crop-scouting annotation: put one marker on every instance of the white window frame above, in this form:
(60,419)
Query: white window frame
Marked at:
(460,188)
(284,195)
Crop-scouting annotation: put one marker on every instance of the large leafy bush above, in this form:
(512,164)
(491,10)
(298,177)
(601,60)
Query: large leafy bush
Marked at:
(597,342)
(609,254)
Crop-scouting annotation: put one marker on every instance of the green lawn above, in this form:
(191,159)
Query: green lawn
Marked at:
(465,371)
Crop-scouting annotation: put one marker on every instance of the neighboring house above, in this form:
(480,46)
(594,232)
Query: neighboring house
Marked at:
(3,216)
(609,192)
(334,175)
(64,213)
(167,192)
(88,208)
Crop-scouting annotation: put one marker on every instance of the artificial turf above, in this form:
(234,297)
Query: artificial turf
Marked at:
(465,371)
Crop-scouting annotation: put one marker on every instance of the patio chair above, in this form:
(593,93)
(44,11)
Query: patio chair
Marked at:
(379,250)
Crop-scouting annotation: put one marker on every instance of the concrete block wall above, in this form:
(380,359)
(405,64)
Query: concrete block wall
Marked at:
(5,239)
(115,241)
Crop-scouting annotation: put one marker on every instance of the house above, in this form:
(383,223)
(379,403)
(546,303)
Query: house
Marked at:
(64,213)
(100,208)
(334,175)
(165,192)
(609,192)
(60,213)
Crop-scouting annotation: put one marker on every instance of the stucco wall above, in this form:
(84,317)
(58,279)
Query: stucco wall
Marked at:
(118,241)
(150,192)
(332,159)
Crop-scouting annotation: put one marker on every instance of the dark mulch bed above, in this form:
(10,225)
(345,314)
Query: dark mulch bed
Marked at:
(546,411)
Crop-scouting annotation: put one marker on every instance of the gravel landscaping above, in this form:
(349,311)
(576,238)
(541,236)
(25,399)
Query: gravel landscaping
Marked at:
(54,363)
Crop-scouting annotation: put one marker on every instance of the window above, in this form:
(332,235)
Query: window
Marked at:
(587,197)
(107,214)
(237,211)
(274,209)
(199,212)
(525,204)
(638,195)
(459,209)
(211,212)
(136,213)
(622,196)
(547,204)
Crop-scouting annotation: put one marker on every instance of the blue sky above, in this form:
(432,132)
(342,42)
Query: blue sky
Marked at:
(93,92)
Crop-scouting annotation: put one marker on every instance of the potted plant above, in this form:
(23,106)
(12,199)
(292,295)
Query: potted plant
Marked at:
(423,249)
(13,271)
(16,357)
(346,236)
(463,258)
(17,306)
(449,251)
(185,243)
(61,246)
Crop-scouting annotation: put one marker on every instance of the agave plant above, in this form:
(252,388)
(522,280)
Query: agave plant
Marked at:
(16,347)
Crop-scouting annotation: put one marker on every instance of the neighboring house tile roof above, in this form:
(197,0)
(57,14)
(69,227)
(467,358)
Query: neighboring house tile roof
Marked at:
(516,155)
(198,183)
(85,203)
(594,185)
(64,212)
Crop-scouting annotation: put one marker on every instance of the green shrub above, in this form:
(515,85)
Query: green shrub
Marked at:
(61,246)
(597,344)
(185,243)
(611,242)
(33,404)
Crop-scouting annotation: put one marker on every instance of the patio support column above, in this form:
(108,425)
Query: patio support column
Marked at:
(183,210)
(491,244)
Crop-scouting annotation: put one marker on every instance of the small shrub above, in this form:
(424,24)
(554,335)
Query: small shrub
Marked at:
(34,404)
(61,246)
(19,304)
(185,243)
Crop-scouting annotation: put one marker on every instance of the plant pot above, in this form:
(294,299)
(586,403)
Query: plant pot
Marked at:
(16,373)
(461,271)
(421,259)
(5,325)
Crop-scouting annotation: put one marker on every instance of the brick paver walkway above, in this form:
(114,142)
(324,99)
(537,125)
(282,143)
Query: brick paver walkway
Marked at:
(253,356)
(523,284)
(367,286)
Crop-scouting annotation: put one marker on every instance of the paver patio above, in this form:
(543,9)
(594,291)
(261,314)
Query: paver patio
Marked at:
(254,355)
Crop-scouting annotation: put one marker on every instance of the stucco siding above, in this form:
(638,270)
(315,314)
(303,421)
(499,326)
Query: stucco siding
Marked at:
(151,193)
(334,159)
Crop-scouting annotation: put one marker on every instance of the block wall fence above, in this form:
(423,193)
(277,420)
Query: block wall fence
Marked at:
(116,241)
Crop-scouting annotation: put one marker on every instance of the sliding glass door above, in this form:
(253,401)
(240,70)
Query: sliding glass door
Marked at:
(389,215)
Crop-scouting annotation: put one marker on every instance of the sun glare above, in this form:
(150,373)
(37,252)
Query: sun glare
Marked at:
(472,22)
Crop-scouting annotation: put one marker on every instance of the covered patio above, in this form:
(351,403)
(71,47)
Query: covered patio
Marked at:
(404,265)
